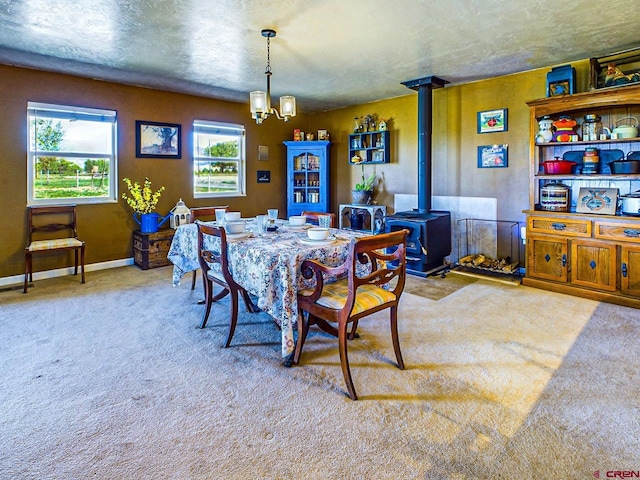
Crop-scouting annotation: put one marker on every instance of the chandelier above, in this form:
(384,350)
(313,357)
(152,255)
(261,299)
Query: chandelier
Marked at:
(261,101)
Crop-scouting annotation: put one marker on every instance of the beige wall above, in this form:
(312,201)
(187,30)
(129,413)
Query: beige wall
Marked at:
(455,141)
(107,229)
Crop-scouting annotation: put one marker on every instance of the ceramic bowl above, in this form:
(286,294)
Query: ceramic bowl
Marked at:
(317,233)
(297,220)
(231,216)
(235,227)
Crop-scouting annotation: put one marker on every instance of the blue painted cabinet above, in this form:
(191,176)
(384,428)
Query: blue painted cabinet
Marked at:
(307,177)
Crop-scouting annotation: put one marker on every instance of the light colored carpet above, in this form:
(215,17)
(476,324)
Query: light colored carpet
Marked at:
(436,287)
(112,380)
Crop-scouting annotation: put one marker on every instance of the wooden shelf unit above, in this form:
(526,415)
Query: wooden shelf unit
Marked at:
(588,255)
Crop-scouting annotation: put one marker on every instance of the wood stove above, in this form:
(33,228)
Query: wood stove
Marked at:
(429,240)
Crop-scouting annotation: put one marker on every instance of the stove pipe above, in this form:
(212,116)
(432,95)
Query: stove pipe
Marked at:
(424,87)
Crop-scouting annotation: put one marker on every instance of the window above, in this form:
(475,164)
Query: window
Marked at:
(218,159)
(71,157)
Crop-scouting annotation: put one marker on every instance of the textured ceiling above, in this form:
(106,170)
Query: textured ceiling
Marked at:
(328,53)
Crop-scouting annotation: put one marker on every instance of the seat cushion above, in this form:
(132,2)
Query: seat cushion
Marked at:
(39,245)
(334,296)
(216,275)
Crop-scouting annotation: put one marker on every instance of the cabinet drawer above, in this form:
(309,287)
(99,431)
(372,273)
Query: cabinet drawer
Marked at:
(618,231)
(560,226)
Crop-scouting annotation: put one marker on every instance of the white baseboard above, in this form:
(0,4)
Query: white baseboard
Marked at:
(61,272)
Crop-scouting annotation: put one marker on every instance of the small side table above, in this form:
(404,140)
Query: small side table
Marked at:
(150,249)
(374,216)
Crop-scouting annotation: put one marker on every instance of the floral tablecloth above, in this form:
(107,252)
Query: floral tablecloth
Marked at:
(267,266)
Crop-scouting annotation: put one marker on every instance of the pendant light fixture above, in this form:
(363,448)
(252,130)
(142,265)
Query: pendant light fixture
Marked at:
(261,101)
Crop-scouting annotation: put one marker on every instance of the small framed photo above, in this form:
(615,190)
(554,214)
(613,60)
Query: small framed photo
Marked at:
(158,140)
(322,134)
(378,156)
(264,176)
(491,121)
(493,156)
(597,200)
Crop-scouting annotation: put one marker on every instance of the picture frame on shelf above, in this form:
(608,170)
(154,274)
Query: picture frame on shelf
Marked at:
(602,201)
(493,156)
(158,140)
(491,121)
(377,156)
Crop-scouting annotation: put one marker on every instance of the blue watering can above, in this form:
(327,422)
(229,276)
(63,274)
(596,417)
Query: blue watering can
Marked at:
(150,222)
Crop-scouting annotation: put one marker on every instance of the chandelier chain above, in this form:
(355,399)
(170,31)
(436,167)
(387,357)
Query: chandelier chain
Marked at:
(268,70)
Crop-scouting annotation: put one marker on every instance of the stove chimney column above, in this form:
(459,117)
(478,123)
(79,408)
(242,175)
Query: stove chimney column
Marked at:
(424,87)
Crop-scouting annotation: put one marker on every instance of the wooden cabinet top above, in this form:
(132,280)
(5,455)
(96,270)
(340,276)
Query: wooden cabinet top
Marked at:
(603,97)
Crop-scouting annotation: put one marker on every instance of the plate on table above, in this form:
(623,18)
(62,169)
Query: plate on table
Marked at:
(239,236)
(296,227)
(318,243)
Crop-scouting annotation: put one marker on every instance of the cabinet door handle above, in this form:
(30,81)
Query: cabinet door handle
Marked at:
(558,226)
(564,259)
(624,269)
(629,232)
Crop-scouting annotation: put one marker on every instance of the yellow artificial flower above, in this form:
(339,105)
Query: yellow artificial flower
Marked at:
(142,199)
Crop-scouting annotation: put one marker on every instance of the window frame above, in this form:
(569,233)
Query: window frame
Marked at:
(70,112)
(231,129)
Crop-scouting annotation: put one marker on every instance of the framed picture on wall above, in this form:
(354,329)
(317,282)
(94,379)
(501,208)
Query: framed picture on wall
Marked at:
(158,140)
(493,156)
(491,121)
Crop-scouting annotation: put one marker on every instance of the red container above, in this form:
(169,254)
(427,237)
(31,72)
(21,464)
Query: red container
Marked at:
(557,167)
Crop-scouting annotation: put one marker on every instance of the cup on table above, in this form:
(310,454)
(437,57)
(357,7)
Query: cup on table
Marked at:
(220,215)
(272,213)
(235,227)
(261,224)
(231,216)
(297,220)
(324,221)
(318,233)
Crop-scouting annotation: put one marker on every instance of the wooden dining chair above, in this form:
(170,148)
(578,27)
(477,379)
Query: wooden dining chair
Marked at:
(203,214)
(358,295)
(313,217)
(52,229)
(215,270)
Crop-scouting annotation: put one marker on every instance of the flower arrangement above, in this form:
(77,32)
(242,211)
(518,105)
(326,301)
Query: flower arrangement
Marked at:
(367,184)
(142,199)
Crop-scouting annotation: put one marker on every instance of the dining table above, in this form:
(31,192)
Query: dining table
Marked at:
(267,265)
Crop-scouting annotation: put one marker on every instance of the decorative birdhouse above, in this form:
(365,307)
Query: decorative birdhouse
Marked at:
(180,214)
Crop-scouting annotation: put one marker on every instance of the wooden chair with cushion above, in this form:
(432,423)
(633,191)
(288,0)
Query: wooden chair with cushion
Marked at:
(313,217)
(215,269)
(357,295)
(203,214)
(52,229)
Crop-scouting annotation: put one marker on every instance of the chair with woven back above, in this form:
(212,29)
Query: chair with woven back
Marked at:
(313,217)
(357,295)
(52,229)
(215,270)
(203,214)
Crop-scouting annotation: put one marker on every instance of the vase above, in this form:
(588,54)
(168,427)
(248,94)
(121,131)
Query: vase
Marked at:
(361,197)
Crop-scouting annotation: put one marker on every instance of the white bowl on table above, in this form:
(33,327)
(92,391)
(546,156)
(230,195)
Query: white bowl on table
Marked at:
(232,216)
(297,220)
(235,227)
(318,233)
